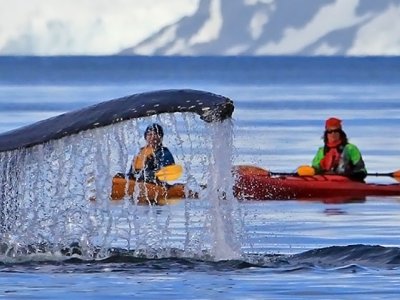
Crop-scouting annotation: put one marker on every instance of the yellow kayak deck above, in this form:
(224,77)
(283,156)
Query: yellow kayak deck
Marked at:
(146,193)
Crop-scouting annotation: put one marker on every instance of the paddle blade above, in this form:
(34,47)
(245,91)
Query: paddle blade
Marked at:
(170,173)
(396,175)
(305,171)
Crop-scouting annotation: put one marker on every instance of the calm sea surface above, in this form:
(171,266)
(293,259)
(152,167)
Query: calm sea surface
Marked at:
(266,250)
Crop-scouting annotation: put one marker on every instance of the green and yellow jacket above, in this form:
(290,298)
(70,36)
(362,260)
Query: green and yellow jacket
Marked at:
(350,163)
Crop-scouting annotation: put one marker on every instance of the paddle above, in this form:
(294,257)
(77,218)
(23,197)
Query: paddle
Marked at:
(309,171)
(395,174)
(301,171)
(258,171)
(169,173)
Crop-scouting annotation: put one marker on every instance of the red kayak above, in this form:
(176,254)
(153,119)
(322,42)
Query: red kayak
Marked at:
(253,183)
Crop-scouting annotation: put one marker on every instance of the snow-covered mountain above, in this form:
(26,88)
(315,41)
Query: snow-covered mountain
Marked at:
(280,27)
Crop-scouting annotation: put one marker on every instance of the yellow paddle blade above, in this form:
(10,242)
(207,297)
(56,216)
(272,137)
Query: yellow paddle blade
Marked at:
(305,171)
(169,173)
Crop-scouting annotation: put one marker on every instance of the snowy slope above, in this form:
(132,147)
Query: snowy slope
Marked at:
(280,27)
(83,27)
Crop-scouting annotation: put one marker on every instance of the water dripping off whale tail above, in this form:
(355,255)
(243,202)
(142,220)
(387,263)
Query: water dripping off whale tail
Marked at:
(50,168)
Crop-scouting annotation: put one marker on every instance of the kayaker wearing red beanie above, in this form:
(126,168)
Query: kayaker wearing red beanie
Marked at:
(338,156)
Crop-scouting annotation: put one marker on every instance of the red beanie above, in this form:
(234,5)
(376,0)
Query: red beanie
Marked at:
(333,122)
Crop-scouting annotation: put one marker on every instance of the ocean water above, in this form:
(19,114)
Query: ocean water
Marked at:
(204,250)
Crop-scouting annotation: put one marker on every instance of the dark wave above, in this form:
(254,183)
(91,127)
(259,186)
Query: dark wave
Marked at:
(351,258)
(364,255)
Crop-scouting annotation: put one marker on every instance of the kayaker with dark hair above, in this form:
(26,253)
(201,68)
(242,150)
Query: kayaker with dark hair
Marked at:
(338,156)
(151,157)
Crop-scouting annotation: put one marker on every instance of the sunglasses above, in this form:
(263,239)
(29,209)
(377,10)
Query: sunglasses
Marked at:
(333,131)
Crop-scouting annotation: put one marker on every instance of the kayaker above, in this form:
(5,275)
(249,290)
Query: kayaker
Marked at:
(338,156)
(151,157)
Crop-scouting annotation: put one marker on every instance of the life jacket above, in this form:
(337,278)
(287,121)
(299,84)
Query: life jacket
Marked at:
(334,158)
(339,160)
